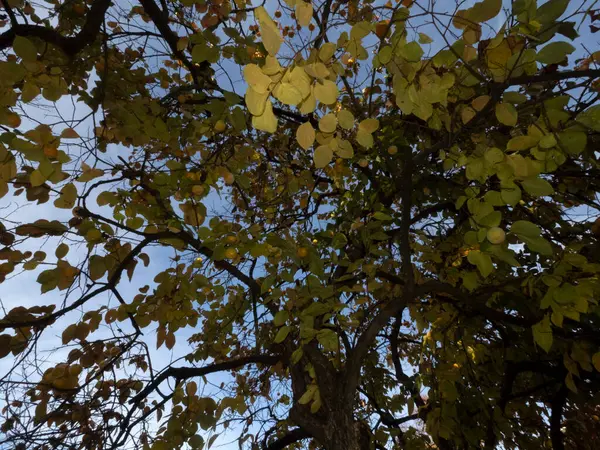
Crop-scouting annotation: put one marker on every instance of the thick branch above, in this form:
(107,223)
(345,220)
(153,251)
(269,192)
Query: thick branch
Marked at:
(183,373)
(290,438)
(70,45)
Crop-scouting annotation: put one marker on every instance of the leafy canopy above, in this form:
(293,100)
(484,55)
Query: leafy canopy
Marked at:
(360,224)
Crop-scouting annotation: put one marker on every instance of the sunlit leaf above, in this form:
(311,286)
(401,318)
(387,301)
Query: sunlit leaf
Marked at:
(305,134)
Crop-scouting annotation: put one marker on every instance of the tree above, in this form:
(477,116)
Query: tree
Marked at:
(403,251)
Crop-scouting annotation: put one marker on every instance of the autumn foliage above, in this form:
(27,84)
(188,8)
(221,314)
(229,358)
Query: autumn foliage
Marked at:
(345,225)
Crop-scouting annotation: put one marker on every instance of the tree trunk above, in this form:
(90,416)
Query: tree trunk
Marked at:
(337,430)
(347,434)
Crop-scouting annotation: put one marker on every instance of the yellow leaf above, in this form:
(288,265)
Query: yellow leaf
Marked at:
(182,43)
(308,395)
(97,267)
(467,114)
(521,143)
(365,139)
(300,80)
(68,334)
(282,334)
(480,102)
(191,388)
(304,13)
(68,195)
(69,133)
(345,119)
(268,29)
(256,101)
(305,135)
(369,125)
(345,149)
(506,114)
(272,66)
(317,70)
(36,178)
(326,92)
(309,104)
(497,59)
(287,94)
(479,12)
(322,156)
(326,51)
(328,123)
(256,78)
(267,120)
(29,91)
(469,53)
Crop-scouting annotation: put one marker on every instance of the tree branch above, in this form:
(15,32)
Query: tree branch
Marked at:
(70,45)
(291,437)
(183,373)
(558,405)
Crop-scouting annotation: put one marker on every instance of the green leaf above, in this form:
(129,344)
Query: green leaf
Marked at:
(573,142)
(542,334)
(24,49)
(411,51)
(538,245)
(596,361)
(590,118)
(494,155)
(382,216)
(511,195)
(424,39)
(514,97)
(385,54)
(548,141)
(322,156)
(521,143)
(282,334)
(281,318)
(506,114)
(551,10)
(328,339)
(482,261)
(524,228)
(537,187)
(554,52)
(339,240)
